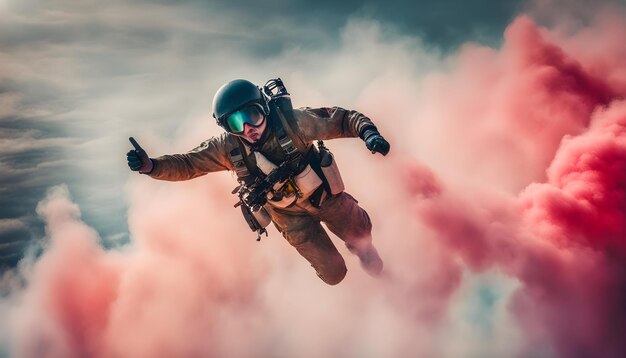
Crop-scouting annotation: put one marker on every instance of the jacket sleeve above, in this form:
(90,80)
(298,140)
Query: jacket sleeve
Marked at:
(211,156)
(331,122)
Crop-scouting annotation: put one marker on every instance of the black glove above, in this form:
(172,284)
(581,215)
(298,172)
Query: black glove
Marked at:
(138,159)
(375,142)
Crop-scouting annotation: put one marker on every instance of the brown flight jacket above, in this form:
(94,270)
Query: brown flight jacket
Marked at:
(214,154)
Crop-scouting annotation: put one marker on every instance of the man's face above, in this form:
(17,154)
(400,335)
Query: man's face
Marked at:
(249,123)
(253,134)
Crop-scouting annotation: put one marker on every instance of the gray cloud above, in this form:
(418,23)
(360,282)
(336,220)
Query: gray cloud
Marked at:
(8,225)
(25,142)
(440,23)
(14,236)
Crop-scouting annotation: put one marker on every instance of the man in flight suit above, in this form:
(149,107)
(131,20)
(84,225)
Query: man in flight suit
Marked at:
(241,108)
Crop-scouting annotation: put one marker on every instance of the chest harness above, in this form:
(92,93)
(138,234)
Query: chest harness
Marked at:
(280,185)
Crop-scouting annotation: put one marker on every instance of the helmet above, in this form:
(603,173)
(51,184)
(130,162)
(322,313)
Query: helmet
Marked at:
(234,96)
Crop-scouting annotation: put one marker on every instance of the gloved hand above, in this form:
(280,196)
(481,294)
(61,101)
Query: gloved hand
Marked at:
(138,159)
(375,142)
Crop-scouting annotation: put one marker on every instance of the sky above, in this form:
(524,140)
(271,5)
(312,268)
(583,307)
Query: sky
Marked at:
(72,73)
(500,212)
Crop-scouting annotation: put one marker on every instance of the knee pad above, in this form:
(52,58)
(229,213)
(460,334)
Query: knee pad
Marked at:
(335,277)
(335,273)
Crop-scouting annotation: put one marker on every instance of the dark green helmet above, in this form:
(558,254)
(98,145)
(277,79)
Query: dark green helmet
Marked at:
(234,96)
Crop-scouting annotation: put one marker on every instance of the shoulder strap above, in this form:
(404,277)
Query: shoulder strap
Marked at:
(284,112)
(241,161)
(284,139)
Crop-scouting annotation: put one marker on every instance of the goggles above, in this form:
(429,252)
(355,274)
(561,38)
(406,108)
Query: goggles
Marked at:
(250,115)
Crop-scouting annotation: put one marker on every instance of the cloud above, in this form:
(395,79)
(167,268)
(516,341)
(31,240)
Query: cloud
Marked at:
(562,237)
(8,104)
(11,225)
(11,146)
(12,234)
(498,212)
(83,300)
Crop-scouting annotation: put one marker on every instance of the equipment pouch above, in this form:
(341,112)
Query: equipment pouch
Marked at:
(262,217)
(257,220)
(281,201)
(307,181)
(330,170)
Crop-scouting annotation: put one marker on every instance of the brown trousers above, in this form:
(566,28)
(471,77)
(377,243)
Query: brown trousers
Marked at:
(301,226)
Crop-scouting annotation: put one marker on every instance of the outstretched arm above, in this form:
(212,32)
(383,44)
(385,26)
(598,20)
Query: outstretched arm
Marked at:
(210,156)
(336,122)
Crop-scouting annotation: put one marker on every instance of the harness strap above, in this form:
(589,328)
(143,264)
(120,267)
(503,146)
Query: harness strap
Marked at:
(285,115)
(240,166)
(244,168)
(290,150)
(313,156)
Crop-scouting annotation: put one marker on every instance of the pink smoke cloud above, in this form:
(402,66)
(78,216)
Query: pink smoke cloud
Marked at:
(156,299)
(564,239)
(537,130)
(499,115)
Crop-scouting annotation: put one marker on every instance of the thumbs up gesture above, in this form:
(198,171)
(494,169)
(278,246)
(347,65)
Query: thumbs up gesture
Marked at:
(138,159)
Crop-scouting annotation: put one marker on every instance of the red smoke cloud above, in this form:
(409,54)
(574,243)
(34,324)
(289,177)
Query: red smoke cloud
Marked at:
(563,239)
(581,210)
(538,130)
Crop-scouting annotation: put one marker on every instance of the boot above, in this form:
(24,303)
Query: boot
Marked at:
(371,262)
(368,255)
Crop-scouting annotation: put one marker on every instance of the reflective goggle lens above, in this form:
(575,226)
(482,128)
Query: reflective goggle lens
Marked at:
(250,115)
